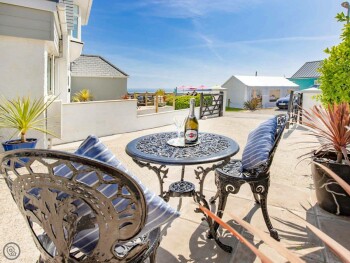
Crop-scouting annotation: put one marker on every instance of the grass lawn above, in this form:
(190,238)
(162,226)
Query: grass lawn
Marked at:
(233,109)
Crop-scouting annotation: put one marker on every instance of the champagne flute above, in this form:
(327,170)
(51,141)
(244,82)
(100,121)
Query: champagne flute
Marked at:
(179,122)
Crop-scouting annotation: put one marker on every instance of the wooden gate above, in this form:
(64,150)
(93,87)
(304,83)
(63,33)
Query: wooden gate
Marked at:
(211,105)
(295,113)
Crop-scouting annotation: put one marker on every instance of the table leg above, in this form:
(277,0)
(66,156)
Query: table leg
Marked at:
(161,173)
(183,173)
(201,173)
(199,197)
(212,234)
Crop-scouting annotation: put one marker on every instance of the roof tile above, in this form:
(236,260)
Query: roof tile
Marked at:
(95,66)
(309,70)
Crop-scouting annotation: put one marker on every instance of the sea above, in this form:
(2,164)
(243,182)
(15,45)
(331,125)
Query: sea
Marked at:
(150,90)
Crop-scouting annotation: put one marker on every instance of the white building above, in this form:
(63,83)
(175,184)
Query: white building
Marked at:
(104,80)
(243,88)
(38,41)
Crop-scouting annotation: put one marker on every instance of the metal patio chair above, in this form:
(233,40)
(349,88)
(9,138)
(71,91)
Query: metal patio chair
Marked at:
(231,177)
(63,211)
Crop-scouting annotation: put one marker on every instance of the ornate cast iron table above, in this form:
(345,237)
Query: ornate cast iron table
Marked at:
(152,150)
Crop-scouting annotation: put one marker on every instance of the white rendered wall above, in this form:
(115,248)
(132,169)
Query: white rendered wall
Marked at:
(22,67)
(62,78)
(100,88)
(105,118)
(309,99)
(22,73)
(236,92)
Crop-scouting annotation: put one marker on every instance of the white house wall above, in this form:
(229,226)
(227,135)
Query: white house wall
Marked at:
(101,88)
(22,67)
(284,91)
(26,22)
(236,92)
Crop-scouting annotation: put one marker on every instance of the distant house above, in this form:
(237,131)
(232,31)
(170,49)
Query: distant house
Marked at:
(102,78)
(307,76)
(268,89)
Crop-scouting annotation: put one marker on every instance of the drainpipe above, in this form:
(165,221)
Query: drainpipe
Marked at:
(65,56)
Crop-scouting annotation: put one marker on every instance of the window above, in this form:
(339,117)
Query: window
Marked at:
(76,22)
(256,94)
(274,95)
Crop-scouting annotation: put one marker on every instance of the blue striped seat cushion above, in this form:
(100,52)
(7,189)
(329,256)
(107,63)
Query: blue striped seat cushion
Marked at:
(259,144)
(159,212)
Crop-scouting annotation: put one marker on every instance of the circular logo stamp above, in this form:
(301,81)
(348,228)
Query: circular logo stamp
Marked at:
(11,251)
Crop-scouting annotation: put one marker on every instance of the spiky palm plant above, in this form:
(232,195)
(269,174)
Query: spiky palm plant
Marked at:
(330,126)
(83,96)
(252,104)
(24,114)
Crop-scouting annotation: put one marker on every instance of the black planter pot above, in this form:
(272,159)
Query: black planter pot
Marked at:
(330,195)
(15,145)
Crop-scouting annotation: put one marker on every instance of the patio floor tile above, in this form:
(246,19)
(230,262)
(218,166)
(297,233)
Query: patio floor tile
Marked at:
(339,230)
(186,241)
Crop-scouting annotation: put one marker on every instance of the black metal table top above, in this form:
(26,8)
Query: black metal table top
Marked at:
(153,148)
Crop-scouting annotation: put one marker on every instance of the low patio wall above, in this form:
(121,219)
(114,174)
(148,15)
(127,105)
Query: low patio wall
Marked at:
(103,118)
(309,98)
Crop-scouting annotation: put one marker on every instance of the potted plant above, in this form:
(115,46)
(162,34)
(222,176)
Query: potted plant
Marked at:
(22,115)
(329,125)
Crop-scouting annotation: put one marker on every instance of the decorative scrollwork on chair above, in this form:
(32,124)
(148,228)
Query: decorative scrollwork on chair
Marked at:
(67,198)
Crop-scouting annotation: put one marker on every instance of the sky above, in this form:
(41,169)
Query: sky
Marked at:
(163,44)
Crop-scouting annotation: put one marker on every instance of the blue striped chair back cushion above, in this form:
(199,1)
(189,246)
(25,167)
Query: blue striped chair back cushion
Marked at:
(259,144)
(159,212)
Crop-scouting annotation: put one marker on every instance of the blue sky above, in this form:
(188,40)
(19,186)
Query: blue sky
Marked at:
(169,43)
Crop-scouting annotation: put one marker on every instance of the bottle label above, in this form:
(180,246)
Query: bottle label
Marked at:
(191,135)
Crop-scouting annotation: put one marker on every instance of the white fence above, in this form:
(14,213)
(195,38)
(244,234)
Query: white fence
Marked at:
(103,118)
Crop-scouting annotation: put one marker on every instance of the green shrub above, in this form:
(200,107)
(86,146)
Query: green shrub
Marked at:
(208,100)
(251,104)
(169,99)
(335,70)
(183,102)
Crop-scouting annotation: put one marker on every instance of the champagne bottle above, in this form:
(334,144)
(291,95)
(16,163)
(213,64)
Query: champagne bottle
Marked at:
(191,125)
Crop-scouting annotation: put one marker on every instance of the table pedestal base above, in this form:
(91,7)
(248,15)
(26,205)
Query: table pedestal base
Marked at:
(187,189)
(181,188)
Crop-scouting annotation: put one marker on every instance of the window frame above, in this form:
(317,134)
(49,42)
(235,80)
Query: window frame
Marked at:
(76,17)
